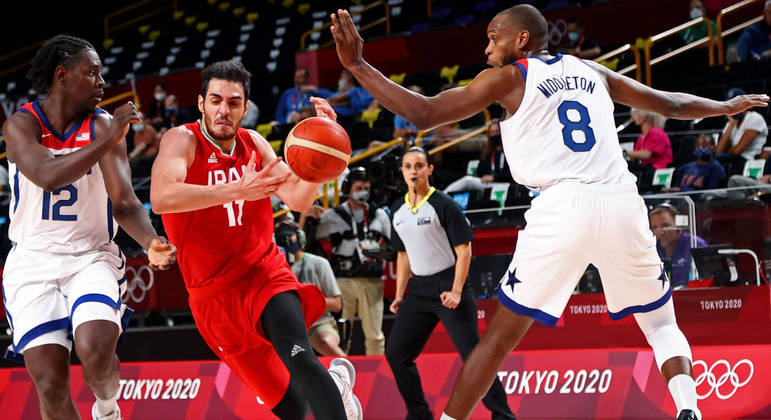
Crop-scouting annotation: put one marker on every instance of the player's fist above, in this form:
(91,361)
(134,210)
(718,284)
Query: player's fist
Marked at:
(450,299)
(124,115)
(161,253)
(397,303)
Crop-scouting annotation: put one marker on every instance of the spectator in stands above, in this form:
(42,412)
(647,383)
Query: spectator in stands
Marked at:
(173,114)
(672,243)
(402,127)
(695,33)
(755,41)
(352,99)
(353,227)
(763,182)
(705,172)
(745,133)
(492,165)
(251,117)
(653,146)
(155,114)
(295,98)
(312,269)
(146,143)
(579,44)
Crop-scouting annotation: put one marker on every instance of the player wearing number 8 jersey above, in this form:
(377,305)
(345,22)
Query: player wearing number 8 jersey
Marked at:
(558,139)
(212,182)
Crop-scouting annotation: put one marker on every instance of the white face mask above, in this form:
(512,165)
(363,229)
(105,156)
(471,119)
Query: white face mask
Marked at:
(341,84)
(360,196)
(138,127)
(696,13)
(159,96)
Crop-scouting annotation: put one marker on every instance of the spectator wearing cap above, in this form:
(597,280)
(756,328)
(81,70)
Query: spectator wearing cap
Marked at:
(755,41)
(745,133)
(432,238)
(315,270)
(672,243)
(653,146)
(358,230)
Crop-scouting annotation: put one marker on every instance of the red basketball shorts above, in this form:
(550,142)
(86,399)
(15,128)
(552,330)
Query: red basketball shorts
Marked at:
(228,317)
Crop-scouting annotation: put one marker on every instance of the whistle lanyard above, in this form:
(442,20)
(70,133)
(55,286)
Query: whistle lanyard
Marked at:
(414,210)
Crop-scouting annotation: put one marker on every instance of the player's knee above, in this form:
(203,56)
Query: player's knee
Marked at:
(51,388)
(96,353)
(668,342)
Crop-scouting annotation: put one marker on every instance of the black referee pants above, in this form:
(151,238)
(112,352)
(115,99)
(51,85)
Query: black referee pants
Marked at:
(414,323)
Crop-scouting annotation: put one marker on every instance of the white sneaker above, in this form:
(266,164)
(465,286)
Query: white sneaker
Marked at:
(344,375)
(113,415)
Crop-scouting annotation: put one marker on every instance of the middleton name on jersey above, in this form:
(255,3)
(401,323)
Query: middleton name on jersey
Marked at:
(551,86)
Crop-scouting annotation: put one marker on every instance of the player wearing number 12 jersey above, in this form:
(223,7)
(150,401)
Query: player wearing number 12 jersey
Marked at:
(212,182)
(558,139)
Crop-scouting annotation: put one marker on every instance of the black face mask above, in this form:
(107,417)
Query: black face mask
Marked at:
(496,140)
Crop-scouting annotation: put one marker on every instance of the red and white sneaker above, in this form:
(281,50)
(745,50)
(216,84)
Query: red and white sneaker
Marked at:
(113,415)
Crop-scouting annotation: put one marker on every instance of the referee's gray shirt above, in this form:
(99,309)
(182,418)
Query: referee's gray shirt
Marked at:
(430,234)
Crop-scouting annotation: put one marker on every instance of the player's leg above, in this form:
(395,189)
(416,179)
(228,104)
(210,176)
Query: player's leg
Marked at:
(409,334)
(292,405)
(49,367)
(95,343)
(284,325)
(325,339)
(481,367)
(551,254)
(461,324)
(96,311)
(673,355)
(634,282)
(371,314)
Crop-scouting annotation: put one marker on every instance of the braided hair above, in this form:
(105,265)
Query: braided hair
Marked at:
(61,50)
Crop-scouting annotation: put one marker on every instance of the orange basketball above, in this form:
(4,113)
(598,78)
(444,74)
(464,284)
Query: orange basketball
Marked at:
(317,149)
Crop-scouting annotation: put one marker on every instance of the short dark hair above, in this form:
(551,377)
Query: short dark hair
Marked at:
(229,70)
(525,16)
(159,83)
(418,149)
(61,50)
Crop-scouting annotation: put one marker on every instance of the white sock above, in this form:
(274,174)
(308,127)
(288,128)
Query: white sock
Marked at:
(105,407)
(683,390)
(446,417)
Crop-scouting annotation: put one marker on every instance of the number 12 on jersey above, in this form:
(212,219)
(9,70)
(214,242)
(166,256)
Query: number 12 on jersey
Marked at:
(570,126)
(232,219)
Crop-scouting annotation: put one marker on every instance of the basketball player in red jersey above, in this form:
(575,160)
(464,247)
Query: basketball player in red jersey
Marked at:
(211,182)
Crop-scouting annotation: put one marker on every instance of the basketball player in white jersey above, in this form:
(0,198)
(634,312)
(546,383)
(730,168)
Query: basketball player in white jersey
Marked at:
(64,277)
(559,139)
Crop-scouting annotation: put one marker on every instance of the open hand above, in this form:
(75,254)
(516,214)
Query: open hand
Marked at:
(742,103)
(323,109)
(347,39)
(256,185)
(162,254)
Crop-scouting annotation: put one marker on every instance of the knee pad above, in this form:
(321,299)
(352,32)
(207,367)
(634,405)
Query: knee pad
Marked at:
(663,334)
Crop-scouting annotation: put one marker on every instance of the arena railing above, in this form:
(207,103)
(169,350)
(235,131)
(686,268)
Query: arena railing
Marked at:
(168,4)
(709,40)
(620,50)
(719,21)
(386,19)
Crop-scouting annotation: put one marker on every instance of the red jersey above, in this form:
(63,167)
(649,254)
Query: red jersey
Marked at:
(227,242)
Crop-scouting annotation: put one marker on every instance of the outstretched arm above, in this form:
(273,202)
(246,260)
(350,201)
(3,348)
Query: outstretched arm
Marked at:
(678,105)
(424,112)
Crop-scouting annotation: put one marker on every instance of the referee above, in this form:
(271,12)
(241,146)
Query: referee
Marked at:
(433,241)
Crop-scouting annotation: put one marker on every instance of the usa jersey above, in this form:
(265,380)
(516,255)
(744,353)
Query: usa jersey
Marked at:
(71,219)
(564,128)
(227,241)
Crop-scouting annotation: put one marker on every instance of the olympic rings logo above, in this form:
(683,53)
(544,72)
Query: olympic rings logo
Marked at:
(556,31)
(730,375)
(136,286)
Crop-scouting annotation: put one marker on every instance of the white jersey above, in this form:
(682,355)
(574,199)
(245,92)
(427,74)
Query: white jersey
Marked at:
(73,219)
(564,128)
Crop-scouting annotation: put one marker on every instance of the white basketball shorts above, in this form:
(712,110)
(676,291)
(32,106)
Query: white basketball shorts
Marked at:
(571,225)
(47,296)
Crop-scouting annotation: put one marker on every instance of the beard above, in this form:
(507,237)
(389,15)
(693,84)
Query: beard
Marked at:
(211,126)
